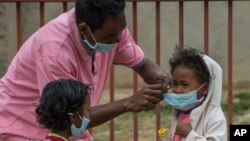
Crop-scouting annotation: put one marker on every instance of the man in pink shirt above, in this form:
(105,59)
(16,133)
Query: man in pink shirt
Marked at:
(81,44)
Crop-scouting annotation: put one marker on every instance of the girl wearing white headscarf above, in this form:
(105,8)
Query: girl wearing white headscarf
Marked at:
(195,97)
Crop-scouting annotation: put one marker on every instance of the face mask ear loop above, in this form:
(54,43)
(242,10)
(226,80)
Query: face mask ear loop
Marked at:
(204,96)
(80,117)
(200,87)
(92,35)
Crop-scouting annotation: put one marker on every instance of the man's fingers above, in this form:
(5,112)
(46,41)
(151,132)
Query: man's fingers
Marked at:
(164,88)
(152,99)
(147,98)
(149,106)
(155,93)
(148,102)
(154,87)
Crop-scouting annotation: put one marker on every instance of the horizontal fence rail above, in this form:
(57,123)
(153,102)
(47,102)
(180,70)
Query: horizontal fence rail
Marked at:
(157,44)
(126,0)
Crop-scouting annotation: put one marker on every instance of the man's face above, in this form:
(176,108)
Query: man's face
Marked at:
(110,32)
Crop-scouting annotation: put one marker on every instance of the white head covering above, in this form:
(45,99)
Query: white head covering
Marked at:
(214,91)
(215,82)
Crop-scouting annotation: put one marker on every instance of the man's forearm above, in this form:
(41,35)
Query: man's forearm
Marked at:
(103,113)
(145,99)
(151,72)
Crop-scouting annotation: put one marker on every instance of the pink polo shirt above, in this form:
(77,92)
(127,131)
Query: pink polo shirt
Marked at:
(54,52)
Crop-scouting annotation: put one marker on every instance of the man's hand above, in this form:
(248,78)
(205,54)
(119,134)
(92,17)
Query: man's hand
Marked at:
(183,129)
(166,80)
(154,74)
(145,99)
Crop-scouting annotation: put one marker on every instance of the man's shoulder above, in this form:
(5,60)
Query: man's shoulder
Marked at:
(56,33)
(60,26)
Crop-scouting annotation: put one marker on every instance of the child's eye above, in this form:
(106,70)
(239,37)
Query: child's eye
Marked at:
(175,84)
(185,85)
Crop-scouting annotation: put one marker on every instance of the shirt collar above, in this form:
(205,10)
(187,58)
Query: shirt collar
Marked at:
(51,134)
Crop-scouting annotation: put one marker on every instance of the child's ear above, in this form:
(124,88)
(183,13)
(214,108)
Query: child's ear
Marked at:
(72,118)
(205,89)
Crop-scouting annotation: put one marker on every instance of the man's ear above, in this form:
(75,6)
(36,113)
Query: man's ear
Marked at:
(82,27)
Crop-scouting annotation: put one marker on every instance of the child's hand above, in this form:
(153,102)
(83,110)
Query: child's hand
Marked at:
(183,129)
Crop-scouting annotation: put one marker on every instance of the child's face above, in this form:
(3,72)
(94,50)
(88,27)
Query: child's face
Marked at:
(185,80)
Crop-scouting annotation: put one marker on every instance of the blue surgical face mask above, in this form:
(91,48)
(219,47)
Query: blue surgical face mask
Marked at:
(184,101)
(78,132)
(99,46)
